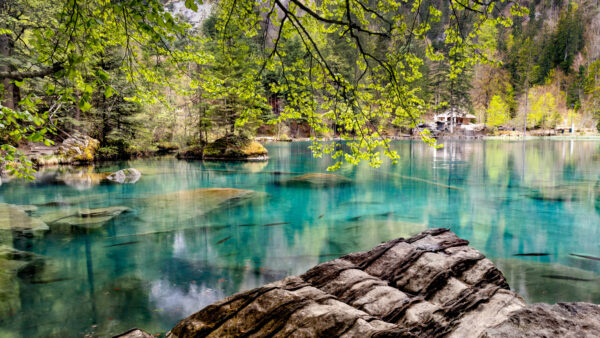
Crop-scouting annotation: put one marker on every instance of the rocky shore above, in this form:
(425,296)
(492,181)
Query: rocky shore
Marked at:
(430,285)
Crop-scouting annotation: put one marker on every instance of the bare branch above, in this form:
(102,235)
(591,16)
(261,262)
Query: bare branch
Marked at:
(15,75)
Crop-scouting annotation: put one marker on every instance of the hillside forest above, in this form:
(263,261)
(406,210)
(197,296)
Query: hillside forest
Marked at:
(145,76)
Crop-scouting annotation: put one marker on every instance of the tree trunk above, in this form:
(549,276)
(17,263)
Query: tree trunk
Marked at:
(77,109)
(9,89)
(6,47)
(526,108)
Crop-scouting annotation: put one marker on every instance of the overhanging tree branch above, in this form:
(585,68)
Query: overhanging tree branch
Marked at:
(18,76)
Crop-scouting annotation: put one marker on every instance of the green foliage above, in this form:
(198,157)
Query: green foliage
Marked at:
(498,112)
(60,62)
(591,81)
(543,112)
(568,39)
(133,76)
(228,80)
(111,152)
(16,126)
(361,68)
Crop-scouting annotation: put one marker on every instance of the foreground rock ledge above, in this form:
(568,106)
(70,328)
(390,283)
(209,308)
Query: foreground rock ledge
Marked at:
(429,285)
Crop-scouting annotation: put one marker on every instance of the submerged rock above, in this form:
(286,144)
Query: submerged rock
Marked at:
(28,208)
(130,175)
(568,283)
(12,263)
(369,230)
(63,219)
(186,204)
(557,194)
(316,180)
(431,284)
(13,217)
(76,200)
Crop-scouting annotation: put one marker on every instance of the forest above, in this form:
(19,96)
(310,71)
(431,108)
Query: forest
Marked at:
(143,77)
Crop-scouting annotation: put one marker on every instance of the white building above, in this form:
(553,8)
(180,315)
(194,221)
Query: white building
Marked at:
(453,117)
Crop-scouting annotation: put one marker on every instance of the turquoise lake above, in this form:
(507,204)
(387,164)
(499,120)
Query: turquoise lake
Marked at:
(167,258)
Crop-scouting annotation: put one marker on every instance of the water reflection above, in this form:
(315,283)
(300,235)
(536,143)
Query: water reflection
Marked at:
(179,302)
(178,248)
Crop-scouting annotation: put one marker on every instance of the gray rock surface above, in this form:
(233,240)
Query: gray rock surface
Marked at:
(130,175)
(78,148)
(134,333)
(544,320)
(430,285)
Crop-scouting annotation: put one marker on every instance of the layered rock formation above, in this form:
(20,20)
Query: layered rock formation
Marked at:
(78,148)
(428,285)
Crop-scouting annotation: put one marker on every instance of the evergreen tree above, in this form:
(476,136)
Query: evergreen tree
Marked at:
(568,39)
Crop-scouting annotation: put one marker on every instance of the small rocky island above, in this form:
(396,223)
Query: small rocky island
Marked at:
(430,285)
(227,148)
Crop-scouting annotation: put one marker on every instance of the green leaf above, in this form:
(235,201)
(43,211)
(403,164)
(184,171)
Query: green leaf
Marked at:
(102,75)
(109,92)
(84,105)
(191,4)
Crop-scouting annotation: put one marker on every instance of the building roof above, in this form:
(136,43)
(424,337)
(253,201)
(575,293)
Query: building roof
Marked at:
(455,112)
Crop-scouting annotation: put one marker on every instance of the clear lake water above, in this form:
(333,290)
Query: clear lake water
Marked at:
(173,252)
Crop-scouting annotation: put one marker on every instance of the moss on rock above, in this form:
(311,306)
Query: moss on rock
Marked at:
(235,148)
(228,148)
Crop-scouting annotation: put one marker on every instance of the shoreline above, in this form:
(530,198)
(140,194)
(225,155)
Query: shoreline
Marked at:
(269,139)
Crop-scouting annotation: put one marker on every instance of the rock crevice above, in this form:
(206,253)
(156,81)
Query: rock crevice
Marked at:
(429,285)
